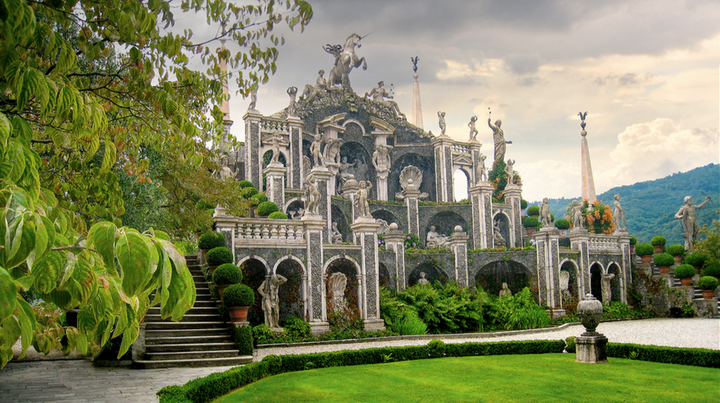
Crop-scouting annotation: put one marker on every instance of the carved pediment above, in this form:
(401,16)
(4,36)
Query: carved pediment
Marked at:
(462,159)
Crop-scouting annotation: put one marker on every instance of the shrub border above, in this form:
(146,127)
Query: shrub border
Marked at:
(697,357)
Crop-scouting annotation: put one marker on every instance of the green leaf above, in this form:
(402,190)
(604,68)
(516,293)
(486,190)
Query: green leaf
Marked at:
(8,294)
(110,156)
(137,259)
(47,271)
(10,330)
(102,238)
(27,323)
(129,337)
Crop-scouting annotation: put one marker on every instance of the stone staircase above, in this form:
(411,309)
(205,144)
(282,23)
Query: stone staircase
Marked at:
(200,339)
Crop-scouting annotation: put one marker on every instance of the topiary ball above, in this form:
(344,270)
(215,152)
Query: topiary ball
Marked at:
(227,273)
(658,241)
(533,211)
(663,259)
(218,256)
(633,240)
(523,204)
(712,269)
(695,259)
(707,283)
(261,196)
(253,201)
(684,271)
(645,249)
(562,224)
(211,240)
(278,215)
(530,222)
(265,208)
(245,184)
(249,192)
(676,250)
(238,295)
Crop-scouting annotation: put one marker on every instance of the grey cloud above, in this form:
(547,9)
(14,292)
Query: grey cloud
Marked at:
(522,64)
(624,80)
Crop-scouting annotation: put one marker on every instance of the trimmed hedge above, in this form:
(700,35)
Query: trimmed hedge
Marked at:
(713,269)
(684,271)
(698,357)
(218,256)
(238,295)
(211,240)
(265,208)
(695,259)
(261,196)
(658,241)
(676,250)
(530,222)
(562,224)
(633,240)
(215,385)
(533,211)
(248,192)
(228,273)
(663,259)
(523,204)
(245,184)
(644,249)
(243,338)
(707,283)
(278,215)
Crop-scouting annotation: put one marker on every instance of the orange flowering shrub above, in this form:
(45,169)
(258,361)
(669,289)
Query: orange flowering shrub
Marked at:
(599,219)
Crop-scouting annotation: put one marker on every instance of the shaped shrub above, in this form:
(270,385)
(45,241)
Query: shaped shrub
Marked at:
(695,259)
(676,250)
(530,222)
(644,249)
(254,201)
(238,295)
(562,224)
(663,259)
(633,241)
(218,256)
(228,273)
(278,215)
(684,271)
(712,269)
(248,192)
(265,208)
(523,204)
(245,184)
(707,283)
(296,327)
(658,241)
(261,196)
(533,211)
(243,338)
(211,240)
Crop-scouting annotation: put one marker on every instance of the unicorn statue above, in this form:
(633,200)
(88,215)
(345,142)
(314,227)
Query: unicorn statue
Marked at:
(345,59)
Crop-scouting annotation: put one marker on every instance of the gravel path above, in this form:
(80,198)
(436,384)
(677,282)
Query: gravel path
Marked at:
(80,381)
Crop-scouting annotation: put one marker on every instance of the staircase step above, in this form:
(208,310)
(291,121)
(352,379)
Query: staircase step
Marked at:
(184,325)
(188,340)
(209,303)
(187,318)
(191,355)
(211,362)
(202,310)
(155,334)
(167,348)
(203,297)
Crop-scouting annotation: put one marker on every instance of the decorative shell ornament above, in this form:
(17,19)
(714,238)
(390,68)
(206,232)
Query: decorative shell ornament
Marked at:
(410,178)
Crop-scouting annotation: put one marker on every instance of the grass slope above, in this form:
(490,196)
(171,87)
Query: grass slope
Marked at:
(520,378)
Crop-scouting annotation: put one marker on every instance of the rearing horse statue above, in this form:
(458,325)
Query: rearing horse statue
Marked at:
(345,59)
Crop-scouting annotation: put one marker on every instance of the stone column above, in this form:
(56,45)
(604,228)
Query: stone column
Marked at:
(481,197)
(626,269)
(413,214)
(253,161)
(443,168)
(513,195)
(323,177)
(395,241)
(474,147)
(579,241)
(365,230)
(275,177)
(548,264)
(316,304)
(295,180)
(458,242)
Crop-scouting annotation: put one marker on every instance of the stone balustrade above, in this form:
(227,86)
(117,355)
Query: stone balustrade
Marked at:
(274,125)
(602,242)
(261,230)
(460,149)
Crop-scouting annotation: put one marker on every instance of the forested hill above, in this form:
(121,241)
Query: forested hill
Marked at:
(651,206)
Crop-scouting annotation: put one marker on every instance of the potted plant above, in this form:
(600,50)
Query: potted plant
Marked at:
(696,260)
(645,251)
(713,269)
(659,243)
(210,240)
(633,242)
(677,251)
(708,284)
(278,215)
(530,223)
(238,298)
(684,272)
(218,256)
(225,275)
(265,208)
(664,261)
(533,211)
(562,224)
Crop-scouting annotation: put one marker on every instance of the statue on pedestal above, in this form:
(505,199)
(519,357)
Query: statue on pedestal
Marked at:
(292,107)
(481,174)
(320,88)
(378,94)
(336,235)
(253,98)
(345,59)
(577,215)
(381,160)
(435,240)
(689,220)
(510,171)
(275,151)
(312,197)
(362,207)
(498,139)
(545,216)
(332,151)
(498,239)
(269,290)
(441,122)
(619,215)
(606,290)
(316,150)
(473,130)
(344,171)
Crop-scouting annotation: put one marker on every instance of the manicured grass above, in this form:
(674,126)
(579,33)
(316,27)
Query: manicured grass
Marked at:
(515,378)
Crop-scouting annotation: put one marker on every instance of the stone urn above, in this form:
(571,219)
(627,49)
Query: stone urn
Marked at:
(590,311)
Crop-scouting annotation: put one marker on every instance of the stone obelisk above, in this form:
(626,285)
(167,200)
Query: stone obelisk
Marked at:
(417,109)
(588,184)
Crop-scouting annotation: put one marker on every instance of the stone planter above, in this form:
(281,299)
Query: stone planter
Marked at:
(591,346)
(664,270)
(708,294)
(238,314)
(686,281)
(659,249)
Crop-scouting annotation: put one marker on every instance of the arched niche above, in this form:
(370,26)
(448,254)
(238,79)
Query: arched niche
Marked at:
(461,185)
(295,208)
(596,272)
(424,164)
(362,169)
(445,223)
(342,221)
(491,277)
(503,222)
(384,277)
(291,294)
(254,273)
(350,294)
(615,290)
(432,272)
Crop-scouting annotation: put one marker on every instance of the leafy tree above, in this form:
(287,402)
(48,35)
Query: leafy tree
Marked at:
(72,107)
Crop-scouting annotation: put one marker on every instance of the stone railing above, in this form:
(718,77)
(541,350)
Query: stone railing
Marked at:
(601,242)
(460,149)
(254,230)
(274,125)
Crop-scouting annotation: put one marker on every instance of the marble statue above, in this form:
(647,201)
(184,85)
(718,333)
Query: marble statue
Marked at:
(577,215)
(606,290)
(497,235)
(225,171)
(312,197)
(332,151)
(378,94)
(292,107)
(337,237)
(253,98)
(344,171)
(422,280)
(345,59)
(306,165)
(435,240)
(269,290)
(275,151)
(689,220)
(565,285)
(505,291)
(498,139)
(545,216)
(362,207)
(384,226)
(473,130)
(338,282)
(481,170)
(381,160)
(316,150)
(509,169)
(311,92)
(619,215)
(441,122)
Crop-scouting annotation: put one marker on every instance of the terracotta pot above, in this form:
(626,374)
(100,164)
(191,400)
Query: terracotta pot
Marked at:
(238,314)
(708,294)
(686,281)
(697,270)
(659,249)
(530,231)
(212,270)
(678,259)
(203,255)
(221,289)
(646,259)
(664,269)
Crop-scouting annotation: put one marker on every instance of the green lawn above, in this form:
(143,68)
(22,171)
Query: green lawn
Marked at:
(513,378)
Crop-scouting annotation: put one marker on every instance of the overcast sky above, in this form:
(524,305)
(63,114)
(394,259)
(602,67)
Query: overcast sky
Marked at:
(647,72)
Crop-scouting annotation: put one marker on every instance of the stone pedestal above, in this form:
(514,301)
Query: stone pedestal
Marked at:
(443,146)
(481,197)
(296,180)
(253,159)
(591,348)
(316,304)
(548,264)
(365,231)
(324,177)
(513,196)
(395,242)
(413,214)
(226,225)
(458,243)
(275,176)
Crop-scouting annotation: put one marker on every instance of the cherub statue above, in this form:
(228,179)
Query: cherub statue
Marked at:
(510,171)
(362,207)
(316,150)
(441,122)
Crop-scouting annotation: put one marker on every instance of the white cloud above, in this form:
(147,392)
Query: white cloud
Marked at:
(549,178)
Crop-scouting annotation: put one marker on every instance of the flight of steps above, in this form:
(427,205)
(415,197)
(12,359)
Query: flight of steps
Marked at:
(200,339)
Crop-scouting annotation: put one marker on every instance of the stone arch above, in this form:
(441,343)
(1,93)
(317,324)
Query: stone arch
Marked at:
(352,294)
(493,274)
(293,293)
(615,284)
(433,273)
(349,121)
(504,223)
(342,221)
(293,207)
(357,154)
(425,165)
(267,156)
(596,272)
(444,222)
(385,278)
(574,283)
(255,269)
(461,184)
(389,218)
